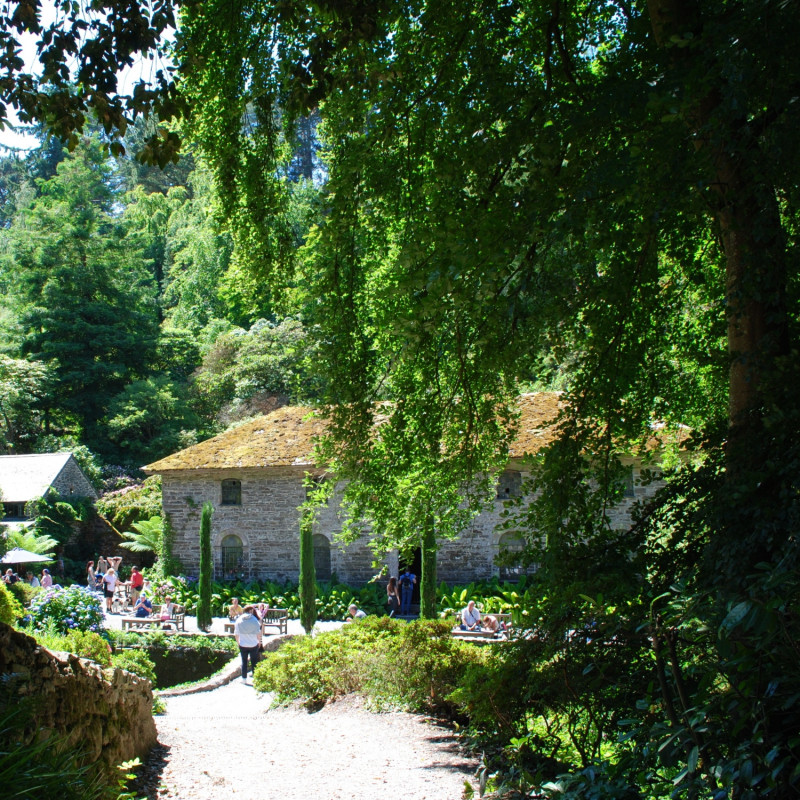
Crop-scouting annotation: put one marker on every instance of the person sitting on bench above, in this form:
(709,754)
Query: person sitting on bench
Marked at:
(143,607)
(470,618)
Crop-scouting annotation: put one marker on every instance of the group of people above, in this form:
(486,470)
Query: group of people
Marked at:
(471,620)
(10,577)
(105,578)
(235,610)
(399,592)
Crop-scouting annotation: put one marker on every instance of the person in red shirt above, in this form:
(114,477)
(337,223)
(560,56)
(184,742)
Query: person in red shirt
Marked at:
(137,581)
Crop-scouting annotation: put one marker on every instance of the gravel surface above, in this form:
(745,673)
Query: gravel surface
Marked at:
(229,743)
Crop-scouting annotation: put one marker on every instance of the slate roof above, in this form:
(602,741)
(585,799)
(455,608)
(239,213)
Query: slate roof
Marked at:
(285,437)
(24,478)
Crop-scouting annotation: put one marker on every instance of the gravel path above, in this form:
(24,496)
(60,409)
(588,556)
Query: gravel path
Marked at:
(229,743)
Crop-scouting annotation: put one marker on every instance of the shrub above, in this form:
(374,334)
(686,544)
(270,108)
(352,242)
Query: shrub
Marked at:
(137,662)
(86,644)
(414,666)
(23,592)
(10,608)
(71,608)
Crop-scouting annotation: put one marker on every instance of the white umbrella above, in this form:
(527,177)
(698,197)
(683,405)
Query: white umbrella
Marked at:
(20,556)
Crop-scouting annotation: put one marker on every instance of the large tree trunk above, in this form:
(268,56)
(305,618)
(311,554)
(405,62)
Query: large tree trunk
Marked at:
(745,209)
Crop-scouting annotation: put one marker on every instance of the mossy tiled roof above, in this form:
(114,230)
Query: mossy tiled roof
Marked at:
(285,437)
(282,438)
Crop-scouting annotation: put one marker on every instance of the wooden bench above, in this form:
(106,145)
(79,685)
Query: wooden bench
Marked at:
(178,620)
(273,617)
(502,632)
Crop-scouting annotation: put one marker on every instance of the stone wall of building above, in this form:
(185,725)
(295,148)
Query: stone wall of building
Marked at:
(107,713)
(71,482)
(268,523)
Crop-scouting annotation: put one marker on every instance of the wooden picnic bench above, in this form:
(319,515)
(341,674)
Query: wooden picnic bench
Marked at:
(178,620)
(273,617)
(502,632)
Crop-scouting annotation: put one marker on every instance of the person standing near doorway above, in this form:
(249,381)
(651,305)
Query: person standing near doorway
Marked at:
(407,581)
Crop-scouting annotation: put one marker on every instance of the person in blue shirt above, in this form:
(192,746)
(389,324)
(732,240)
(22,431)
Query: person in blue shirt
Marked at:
(407,581)
(143,607)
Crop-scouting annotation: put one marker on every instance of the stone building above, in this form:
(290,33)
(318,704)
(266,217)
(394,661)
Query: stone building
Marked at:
(253,476)
(29,477)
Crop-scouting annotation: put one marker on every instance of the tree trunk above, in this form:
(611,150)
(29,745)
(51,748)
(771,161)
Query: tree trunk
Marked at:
(745,208)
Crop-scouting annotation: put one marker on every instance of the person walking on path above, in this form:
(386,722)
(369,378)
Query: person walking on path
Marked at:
(247,630)
(407,581)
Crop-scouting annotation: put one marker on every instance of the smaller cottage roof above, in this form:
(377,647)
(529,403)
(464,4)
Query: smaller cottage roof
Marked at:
(24,478)
(285,437)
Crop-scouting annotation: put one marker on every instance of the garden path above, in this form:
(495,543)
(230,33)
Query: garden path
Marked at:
(229,743)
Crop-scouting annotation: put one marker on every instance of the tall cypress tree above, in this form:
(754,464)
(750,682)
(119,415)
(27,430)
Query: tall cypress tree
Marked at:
(308,578)
(206,565)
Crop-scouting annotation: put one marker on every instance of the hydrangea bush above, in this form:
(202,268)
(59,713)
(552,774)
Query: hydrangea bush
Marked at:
(74,608)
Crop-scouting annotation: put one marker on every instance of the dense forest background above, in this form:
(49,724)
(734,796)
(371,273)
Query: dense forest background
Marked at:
(129,329)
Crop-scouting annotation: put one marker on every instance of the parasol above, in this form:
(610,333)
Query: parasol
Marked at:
(20,556)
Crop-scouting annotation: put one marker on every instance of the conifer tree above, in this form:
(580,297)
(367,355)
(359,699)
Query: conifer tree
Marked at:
(206,565)
(308,587)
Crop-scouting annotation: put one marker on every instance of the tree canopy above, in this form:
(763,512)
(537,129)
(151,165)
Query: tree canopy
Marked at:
(599,194)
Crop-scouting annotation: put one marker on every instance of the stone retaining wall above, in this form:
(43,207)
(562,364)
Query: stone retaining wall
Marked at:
(107,713)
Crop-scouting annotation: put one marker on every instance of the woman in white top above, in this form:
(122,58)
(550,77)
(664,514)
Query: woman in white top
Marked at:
(109,584)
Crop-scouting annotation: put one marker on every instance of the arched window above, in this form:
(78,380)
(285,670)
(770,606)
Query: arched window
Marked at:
(322,556)
(231,493)
(510,549)
(509,485)
(232,555)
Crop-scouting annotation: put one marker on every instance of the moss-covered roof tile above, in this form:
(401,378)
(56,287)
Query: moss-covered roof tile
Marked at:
(286,436)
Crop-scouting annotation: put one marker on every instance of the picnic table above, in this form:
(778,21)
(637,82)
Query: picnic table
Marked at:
(482,633)
(273,617)
(177,621)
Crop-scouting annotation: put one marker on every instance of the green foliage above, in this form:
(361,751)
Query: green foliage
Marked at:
(71,608)
(146,536)
(56,516)
(413,666)
(133,503)
(206,566)
(150,419)
(10,608)
(137,662)
(245,371)
(85,305)
(28,539)
(308,584)
(83,643)
(23,385)
(23,592)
